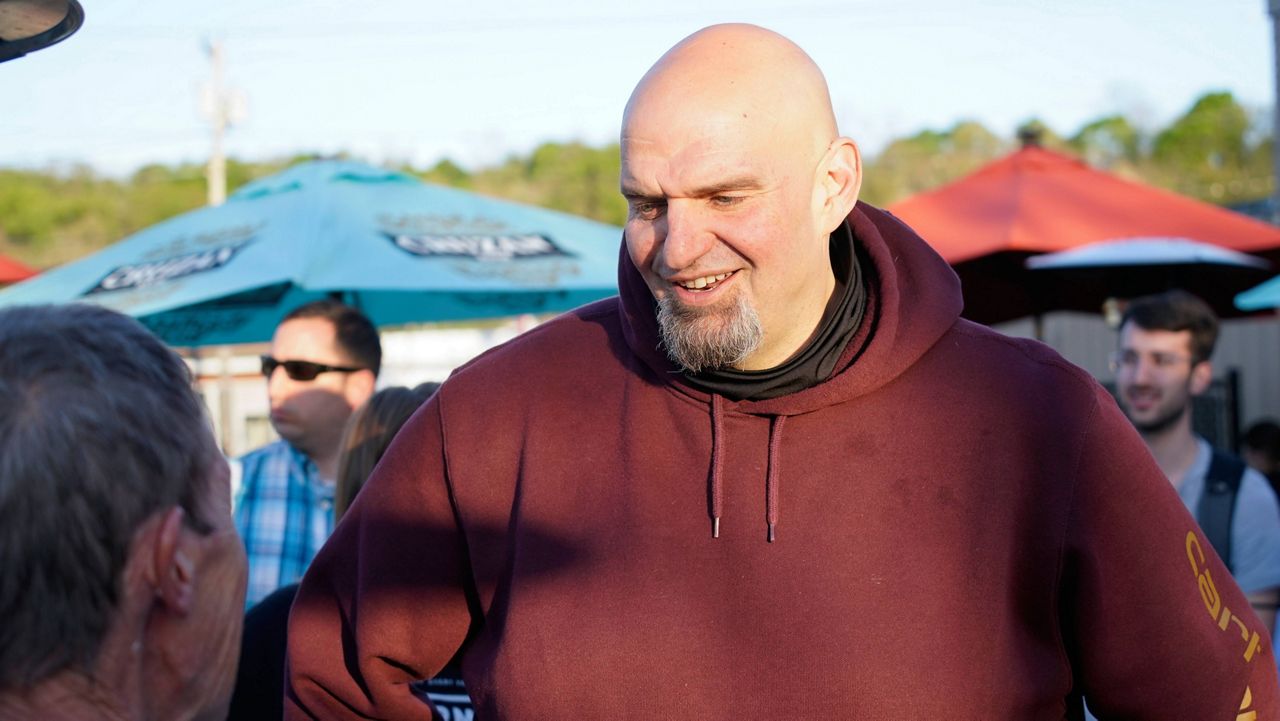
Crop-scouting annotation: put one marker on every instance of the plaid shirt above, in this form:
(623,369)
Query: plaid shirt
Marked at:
(284,513)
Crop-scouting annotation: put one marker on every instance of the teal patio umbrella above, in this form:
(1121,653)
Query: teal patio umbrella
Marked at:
(401,250)
(1261,297)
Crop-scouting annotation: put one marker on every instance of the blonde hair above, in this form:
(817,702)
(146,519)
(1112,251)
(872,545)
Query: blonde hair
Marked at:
(367,434)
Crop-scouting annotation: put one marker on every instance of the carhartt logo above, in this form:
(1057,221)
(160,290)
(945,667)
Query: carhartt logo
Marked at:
(479,247)
(1247,714)
(1218,611)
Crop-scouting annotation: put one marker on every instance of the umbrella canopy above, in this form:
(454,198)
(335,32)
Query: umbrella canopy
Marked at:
(1143,252)
(1262,297)
(1038,201)
(1086,277)
(402,250)
(11,271)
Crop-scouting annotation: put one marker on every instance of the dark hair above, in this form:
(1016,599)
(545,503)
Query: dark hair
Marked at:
(354,332)
(99,429)
(1264,436)
(1176,310)
(367,434)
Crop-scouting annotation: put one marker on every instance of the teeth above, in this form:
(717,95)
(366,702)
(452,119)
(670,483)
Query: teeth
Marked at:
(704,281)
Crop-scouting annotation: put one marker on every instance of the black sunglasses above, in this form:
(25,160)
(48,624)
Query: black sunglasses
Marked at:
(300,370)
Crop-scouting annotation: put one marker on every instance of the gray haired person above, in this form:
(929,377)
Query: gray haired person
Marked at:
(121,576)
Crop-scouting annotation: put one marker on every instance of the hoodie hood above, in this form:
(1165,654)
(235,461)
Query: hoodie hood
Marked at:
(903,269)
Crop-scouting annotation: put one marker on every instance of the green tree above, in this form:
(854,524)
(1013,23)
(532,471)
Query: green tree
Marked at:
(1108,142)
(1206,152)
(928,159)
(446,172)
(28,209)
(1210,135)
(570,177)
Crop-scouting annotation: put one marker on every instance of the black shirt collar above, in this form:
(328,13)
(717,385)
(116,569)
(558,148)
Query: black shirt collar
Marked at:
(815,362)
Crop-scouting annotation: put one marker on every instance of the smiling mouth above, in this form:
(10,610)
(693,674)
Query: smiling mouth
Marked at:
(705,283)
(1142,397)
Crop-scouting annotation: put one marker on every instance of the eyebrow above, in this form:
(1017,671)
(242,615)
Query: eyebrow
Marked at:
(632,192)
(742,182)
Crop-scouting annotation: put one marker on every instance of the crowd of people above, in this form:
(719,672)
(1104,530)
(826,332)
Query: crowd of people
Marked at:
(777,476)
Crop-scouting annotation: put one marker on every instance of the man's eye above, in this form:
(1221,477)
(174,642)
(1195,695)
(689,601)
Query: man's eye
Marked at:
(725,201)
(646,210)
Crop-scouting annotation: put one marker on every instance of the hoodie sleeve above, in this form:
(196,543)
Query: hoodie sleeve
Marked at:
(384,603)
(1156,627)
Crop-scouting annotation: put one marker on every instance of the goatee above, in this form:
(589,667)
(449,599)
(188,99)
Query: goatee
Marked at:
(699,339)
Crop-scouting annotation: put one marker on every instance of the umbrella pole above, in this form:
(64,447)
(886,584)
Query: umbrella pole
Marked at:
(1037,327)
(225,383)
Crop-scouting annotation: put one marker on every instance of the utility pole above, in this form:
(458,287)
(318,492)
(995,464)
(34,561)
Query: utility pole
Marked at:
(1274,6)
(222,107)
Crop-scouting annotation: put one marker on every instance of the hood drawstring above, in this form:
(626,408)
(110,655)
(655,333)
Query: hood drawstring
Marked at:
(717,452)
(772,479)
(775,473)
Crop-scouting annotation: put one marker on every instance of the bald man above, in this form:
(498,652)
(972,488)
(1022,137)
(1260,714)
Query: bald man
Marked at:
(776,477)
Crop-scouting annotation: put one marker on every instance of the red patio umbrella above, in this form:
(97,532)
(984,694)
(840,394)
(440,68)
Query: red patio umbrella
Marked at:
(1039,201)
(11,271)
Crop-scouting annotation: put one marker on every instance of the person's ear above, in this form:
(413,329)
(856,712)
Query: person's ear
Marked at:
(1201,377)
(173,563)
(360,386)
(840,183)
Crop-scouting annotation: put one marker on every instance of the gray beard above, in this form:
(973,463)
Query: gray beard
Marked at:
(697,339)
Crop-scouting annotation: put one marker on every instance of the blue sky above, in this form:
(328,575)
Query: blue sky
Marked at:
(417,80)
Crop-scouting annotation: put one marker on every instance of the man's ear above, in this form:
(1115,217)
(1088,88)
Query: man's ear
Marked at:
(840,182)
(173,563)
(1201,377)
(360,385)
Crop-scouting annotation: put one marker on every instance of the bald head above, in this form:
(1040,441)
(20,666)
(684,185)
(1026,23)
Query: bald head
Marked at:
(735,178)
(740,72)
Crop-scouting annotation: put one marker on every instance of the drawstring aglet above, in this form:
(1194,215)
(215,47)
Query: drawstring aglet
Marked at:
(770,533)
(715,527)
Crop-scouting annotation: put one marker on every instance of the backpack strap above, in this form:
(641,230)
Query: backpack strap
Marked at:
(1218,502)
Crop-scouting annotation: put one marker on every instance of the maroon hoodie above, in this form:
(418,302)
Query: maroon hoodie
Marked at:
(966,528)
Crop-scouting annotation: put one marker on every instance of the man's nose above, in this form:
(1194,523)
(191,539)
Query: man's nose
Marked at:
(688,236)
(277,383)
(1143,369)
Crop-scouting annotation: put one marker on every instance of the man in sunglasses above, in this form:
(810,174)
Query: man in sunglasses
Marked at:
(323,364)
